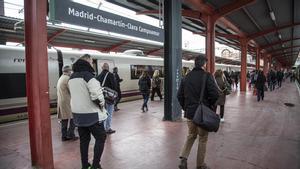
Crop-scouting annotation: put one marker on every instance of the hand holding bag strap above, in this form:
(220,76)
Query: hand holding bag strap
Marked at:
(104,79)
(203,87)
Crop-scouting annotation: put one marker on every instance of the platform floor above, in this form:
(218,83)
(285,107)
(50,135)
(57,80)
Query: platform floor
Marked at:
(255,135)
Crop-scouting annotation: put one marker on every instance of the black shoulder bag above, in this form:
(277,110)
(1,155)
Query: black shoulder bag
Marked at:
(204,117)
(110,95)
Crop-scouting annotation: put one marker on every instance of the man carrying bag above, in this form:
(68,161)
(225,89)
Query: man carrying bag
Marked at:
(109,85)
(189,98)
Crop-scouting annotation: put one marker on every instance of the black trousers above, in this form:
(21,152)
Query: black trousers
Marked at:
(222,107)
(119,97)
(279,83)
(156,90)
(98,131)
(260,94)
(67,132)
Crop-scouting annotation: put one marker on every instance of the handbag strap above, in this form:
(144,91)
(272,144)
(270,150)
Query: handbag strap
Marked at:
(203,87)
(104,79)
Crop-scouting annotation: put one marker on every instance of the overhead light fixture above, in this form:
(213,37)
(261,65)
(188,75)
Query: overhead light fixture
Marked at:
(283,45)
(279,36)
(89,41)
(272,16)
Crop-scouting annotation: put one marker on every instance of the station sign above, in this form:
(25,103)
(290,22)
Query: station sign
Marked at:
(74,13)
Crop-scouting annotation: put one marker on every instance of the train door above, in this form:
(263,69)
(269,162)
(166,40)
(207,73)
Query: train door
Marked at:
(100,62)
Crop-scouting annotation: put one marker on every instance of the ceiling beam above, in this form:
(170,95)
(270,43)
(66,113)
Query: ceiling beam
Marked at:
(201,6)
(56,34)
(282,49)
(206,9)
(115,47)
(274,29)
(228,36)
(231,7)
(279,42)
(284,53)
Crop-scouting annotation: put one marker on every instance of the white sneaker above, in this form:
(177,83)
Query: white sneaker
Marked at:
(222,120)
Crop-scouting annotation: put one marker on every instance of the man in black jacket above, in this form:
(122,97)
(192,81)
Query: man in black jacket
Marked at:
(188,97)
(118,81)
(107,79)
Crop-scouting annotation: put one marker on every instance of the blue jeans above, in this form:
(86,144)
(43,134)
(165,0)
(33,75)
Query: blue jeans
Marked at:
(146,98)
(110,108)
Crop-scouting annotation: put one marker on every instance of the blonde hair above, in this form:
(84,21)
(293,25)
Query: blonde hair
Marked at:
(156,73)
(219,73)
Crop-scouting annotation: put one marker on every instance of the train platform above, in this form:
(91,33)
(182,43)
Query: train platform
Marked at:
(255,135)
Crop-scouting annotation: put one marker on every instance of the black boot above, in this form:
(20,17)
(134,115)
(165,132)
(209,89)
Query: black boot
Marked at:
(143,109)
(183,163)
(146,108)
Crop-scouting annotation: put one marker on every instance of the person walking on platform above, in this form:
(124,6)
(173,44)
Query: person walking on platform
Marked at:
(144,86)
(118,81)
(227,76)
(279,78)
(87,104)
(260,85)
(273,79)
(221,82)
(64,112)
(269,81)
(188,97)
(156,85)
(107,79)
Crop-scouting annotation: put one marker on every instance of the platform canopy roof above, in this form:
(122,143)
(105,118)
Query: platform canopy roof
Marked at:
(271,25)
(12,30)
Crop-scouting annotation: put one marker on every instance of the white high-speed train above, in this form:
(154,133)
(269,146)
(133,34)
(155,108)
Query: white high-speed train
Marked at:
(13,82)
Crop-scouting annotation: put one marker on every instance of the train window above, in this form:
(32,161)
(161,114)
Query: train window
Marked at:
(12,85)
(136,70)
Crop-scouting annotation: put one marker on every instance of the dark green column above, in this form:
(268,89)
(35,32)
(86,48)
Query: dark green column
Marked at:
(2,39)
(1,7)
(172,58)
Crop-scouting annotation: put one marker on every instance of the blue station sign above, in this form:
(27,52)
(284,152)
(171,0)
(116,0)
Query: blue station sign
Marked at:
(74,13)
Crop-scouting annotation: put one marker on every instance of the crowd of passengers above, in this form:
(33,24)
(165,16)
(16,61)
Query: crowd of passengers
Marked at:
(82,102)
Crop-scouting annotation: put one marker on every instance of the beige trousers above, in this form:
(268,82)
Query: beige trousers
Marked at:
(192,135)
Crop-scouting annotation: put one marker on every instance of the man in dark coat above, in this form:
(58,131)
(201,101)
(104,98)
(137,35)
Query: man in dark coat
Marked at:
(260,85)
(188,97)
(107,79)
(118,81)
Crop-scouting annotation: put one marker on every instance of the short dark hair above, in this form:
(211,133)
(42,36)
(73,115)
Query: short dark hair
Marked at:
(85,56)
(200,61)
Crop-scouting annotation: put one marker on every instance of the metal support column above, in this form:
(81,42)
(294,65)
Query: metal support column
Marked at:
(257,65)
(37,84)
(243,84)
(172,58)
(210,44)
(2,39)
